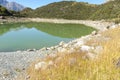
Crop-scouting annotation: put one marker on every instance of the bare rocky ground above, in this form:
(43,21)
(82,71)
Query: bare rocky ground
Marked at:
(99,25)
(13,64)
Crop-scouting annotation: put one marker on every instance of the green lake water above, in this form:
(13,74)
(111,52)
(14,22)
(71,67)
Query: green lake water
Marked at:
(23,36)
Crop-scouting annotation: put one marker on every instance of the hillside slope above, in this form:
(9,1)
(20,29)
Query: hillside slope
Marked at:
(4,11)
(109,10)
(64,9)
(77,10)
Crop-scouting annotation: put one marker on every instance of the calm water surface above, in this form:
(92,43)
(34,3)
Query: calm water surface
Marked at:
(23,36)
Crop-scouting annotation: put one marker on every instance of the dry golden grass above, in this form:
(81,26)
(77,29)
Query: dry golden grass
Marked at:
(102,68)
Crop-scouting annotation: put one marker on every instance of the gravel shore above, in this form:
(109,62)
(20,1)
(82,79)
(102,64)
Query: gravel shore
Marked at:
(99,25)
(14,63)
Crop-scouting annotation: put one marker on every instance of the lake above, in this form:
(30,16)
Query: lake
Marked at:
(23,36)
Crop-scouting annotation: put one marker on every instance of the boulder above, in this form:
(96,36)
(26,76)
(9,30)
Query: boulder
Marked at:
(41,66)
(29,50)
(62,50)
(79,43)
(98,49)
(52,48)
(113,26)
(71,50)
(52,55)
(2,17)
(43,49)
(94,33)
(65,45)
(50,63)
(90,55)
(85,48)
(61,43)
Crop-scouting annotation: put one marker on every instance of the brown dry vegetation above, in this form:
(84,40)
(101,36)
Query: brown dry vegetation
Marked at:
(77,67)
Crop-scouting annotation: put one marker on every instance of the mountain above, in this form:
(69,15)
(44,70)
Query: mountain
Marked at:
(4,11)
(26,11)
(109,10)
(11,5)
(3,2)
(14,6)
(77,10)
(64,9)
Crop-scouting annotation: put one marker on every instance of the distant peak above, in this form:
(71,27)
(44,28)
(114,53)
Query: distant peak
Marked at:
(12,5)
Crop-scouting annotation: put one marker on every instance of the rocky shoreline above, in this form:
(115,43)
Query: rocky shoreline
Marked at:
(99,25)
(13,64)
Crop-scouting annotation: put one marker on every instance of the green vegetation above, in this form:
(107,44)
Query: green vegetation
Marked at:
(4,11)
(4,28)
(64,9)
(109,10)
(77,10)
(59,30)
(25,12)
(65,30)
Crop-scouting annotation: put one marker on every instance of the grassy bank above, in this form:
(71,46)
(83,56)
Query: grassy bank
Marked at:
(77,67)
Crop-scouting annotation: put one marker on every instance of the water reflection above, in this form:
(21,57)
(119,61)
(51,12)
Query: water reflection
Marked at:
(22,36)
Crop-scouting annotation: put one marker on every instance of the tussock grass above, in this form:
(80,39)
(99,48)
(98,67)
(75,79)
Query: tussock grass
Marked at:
(102,68)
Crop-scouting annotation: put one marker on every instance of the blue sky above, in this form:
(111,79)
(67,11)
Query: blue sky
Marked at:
(37,3)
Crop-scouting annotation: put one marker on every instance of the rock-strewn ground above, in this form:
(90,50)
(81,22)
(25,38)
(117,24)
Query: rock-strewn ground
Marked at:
(99,25)
(13,63)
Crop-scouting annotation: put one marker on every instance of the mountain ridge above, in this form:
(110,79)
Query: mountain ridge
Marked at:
(11,5)
(63,9)
(76,10)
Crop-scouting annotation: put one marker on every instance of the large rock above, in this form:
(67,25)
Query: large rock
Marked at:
(61,43)
(86,48)
(79,43)
(41,66)
(62,50)
(71,50)
(98,49)
(94,33)
(90,56)
(50,63)
(52,55)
